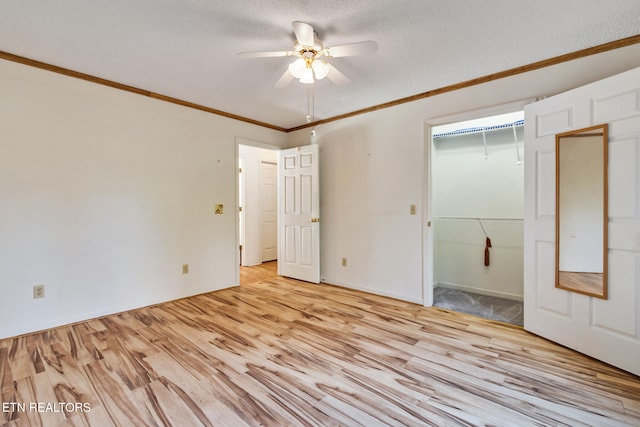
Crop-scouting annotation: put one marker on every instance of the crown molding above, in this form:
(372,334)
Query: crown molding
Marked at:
(484,79)
(98,80)
(450,88)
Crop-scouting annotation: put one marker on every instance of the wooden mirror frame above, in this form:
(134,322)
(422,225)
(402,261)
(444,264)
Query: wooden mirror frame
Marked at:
(587,283)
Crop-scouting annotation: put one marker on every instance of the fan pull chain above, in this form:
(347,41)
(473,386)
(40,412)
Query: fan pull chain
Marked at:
(311,110)
(310,103)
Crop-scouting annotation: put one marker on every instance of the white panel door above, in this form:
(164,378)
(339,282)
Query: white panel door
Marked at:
(609,329)
(299,210)
(269,210)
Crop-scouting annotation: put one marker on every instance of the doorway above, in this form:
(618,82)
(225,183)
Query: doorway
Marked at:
(257,207)
(278,209)
(477,193)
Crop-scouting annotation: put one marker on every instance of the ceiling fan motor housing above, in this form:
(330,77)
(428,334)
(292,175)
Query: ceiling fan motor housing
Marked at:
(303,49)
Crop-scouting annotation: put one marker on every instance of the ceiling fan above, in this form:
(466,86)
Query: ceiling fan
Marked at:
(311,64)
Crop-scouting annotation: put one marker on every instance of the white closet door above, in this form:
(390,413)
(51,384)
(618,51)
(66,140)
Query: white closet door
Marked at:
(609,329)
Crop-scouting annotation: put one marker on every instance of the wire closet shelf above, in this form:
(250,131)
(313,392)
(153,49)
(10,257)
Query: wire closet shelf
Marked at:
(511,125)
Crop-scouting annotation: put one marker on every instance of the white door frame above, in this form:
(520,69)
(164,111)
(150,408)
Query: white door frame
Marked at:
(240,192)
(427,235)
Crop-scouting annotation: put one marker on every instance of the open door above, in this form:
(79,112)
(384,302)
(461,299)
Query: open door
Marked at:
(299,211)
(269,211)
(606,329)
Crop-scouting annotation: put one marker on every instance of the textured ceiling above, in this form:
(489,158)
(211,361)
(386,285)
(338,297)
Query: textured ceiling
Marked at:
(187,49)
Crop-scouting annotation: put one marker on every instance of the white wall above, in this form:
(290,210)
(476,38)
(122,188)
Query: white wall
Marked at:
(105,194)
(466,184)
(373,168)
(253,156)
(370,173)
(466,187)
(459,257)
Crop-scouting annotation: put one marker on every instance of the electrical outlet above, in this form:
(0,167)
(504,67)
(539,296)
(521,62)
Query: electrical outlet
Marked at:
(38,291)
(344,262)
(185,268)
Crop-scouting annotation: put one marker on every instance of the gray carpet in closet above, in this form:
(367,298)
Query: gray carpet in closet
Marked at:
(485,306)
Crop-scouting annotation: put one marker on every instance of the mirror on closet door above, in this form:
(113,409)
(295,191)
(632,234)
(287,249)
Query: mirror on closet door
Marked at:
(581,211)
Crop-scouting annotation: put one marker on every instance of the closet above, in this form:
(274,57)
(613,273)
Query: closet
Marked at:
(477,193)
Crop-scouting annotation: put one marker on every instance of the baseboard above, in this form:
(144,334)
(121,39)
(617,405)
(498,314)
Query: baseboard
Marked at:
(329,281)
(480,291)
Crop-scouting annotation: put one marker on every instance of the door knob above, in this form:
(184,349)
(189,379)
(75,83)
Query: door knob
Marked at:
(315,219)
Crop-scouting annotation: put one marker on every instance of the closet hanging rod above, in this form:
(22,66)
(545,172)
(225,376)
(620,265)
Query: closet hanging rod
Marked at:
(466,218)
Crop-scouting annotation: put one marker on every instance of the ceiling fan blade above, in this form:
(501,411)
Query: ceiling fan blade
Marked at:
(265,54)
(284,80)
(359,48)
(336,76)
(304,33)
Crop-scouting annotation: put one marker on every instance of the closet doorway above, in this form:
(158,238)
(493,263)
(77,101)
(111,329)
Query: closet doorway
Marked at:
(477,195)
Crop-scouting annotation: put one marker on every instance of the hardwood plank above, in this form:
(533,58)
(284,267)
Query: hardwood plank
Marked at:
(258,273)
(116,397)
(282,352)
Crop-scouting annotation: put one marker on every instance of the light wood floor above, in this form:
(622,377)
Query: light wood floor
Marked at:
(258,273)
(284,353)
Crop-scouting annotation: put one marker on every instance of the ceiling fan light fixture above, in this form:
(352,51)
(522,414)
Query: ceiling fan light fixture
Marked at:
(298,67)
(310,65)
(307,76)
(320,69)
